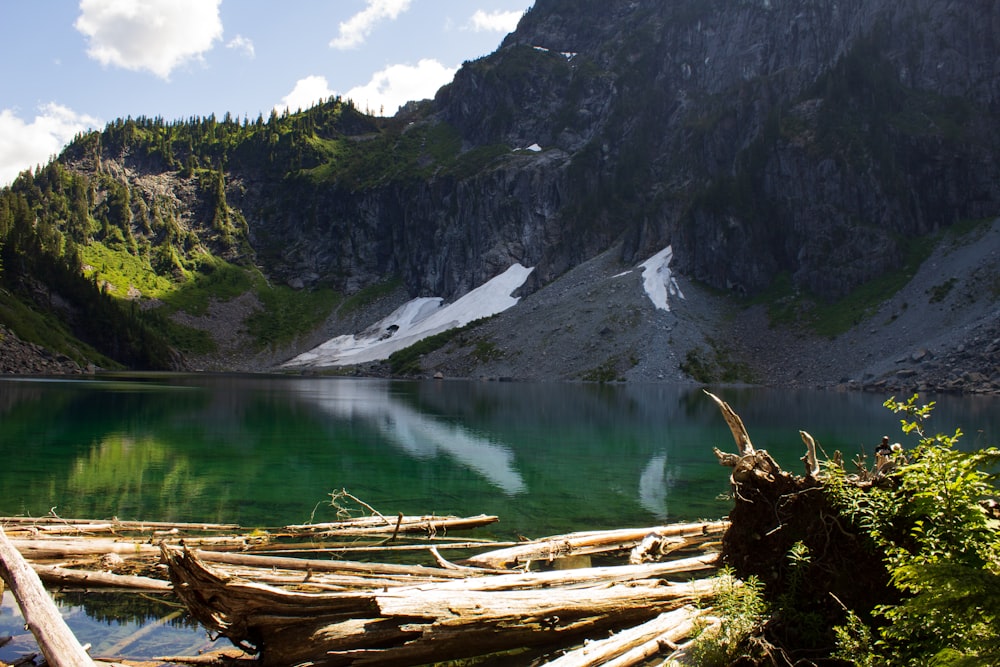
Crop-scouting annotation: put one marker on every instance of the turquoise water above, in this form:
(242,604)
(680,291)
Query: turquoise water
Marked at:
(545,458)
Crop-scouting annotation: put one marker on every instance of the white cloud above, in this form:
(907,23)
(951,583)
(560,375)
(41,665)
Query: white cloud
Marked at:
(356,29)
(153,35)
(498,21)
(396,85)
(241,43)
(306,93)
(24,145)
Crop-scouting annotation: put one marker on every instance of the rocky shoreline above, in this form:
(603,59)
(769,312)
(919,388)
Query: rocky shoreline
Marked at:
(18,357)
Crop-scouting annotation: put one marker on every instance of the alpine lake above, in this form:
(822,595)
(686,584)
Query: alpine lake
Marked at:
(264,452)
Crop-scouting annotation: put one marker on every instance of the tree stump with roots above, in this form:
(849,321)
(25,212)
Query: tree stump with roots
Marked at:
(786,532)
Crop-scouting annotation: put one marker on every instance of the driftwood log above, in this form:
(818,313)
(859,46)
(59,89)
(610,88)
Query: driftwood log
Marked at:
(587,543)
(428,621)
(59,646)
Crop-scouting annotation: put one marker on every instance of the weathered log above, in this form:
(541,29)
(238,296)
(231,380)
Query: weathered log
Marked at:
(579,577)
(435,626)
(634,645)
(63,576)
(357,546)
(142,632)
(56,641)
(223,658)
(139,526)
(372,569)
(417,624)
(378,525)
(573,544)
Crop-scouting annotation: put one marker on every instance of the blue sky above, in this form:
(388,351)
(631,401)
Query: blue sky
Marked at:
(78,64)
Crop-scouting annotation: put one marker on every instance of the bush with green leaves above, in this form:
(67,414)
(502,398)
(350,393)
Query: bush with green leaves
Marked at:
(743,611)
(941,549)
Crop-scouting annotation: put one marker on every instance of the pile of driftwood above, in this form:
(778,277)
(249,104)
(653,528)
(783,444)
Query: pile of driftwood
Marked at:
(290,597)
(284,610)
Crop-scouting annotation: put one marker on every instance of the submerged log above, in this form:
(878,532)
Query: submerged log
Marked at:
(57,643)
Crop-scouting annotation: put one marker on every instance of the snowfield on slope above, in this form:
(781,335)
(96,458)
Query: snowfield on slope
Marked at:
(427,316)
(416,320)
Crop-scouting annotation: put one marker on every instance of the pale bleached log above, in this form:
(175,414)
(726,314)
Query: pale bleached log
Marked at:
(54,638)
(58,548)
(146,630)
(64,576)
(578,578)
(590,542)
(634,645)
(379,546)
(329,565)
(407,524)
(120,525)
(527,605)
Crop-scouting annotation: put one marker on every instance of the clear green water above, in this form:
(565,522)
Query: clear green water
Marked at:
(263,452)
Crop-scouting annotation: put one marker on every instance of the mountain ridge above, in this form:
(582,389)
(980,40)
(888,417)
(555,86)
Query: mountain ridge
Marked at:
(796,152)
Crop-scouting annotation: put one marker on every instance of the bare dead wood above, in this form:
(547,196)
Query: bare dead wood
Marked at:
(580,577)
(634,645)
(743,445)
(220,658)
(416,624)
(380,547)
(63,576)
(57,643)
(811,461)
(120,525)
(430,525)
(328,565)
(562,546)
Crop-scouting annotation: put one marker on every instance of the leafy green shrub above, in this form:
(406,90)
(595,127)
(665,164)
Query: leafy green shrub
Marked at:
(743,611)
(941,549)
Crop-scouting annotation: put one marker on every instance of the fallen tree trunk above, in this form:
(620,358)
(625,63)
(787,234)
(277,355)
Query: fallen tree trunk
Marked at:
(64,576)
(634,645)
(379,525)
(577,544)
(430,620)
(57,643)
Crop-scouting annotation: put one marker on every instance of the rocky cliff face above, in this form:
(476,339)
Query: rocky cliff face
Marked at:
(760,138)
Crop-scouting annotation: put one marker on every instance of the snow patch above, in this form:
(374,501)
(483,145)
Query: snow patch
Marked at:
(568,55)
(416,320)
(658,281)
